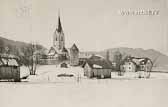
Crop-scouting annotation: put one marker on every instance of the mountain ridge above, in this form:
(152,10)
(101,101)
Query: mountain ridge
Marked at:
(158,58)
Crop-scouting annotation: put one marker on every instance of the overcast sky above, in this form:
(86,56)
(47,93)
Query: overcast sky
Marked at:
(91,24)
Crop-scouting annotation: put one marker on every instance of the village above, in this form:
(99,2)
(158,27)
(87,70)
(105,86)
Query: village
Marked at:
(62,62)
(83,53)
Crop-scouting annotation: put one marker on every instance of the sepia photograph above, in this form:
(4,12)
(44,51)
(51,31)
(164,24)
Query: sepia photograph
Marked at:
(83,53)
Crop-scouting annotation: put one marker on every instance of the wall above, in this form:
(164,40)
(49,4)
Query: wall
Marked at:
(74,58)
(106,73)
(129,67)
(7,72)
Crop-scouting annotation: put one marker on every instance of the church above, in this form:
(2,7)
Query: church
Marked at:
(58,52)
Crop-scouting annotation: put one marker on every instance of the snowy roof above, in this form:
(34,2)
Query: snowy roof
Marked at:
(138,61)
(8,56)
(8,61)
(96,57)
(99,64)
(12,62)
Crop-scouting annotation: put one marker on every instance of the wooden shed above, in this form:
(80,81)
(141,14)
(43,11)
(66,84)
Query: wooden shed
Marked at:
(9,67)
(98,69)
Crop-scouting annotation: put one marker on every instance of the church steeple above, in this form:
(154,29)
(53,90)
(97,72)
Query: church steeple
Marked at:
(59,28)
(58,38)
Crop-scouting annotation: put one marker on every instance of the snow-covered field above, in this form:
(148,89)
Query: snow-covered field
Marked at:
(47,90)
(48,74)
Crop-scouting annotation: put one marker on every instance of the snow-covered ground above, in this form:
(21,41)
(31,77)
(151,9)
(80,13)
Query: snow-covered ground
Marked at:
(48,73)
(47,90)
(116,93)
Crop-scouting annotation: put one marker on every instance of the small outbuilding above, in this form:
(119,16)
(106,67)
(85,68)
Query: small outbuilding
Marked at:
(97,68)
(63,65)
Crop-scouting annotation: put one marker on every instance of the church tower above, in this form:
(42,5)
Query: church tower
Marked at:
(58,37)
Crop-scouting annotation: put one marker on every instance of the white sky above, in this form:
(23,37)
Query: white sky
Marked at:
(91,24)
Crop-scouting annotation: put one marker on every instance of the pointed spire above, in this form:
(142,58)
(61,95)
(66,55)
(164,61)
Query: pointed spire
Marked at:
(59,29)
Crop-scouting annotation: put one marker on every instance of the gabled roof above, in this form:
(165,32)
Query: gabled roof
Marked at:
(99,64)
(52,51)
(74,48)
(64,50)
(97,57)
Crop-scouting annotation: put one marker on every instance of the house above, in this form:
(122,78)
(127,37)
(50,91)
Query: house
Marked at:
(74,55)
(97,68)
(9,67)
(132,64)
(143,64)
(128,65)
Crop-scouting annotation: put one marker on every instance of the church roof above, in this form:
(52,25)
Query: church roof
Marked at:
(64,49)
(52,51)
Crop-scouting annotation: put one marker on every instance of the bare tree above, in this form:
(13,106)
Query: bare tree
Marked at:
(149,69)
(118,60)
(29,57)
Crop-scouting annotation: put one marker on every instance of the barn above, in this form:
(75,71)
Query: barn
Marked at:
(9,67)
(97,68)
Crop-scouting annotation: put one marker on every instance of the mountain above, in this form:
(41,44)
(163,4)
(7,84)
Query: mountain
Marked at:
(158,58)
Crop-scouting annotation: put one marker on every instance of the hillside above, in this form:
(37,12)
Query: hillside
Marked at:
(14,45)
(7,42)
(158,58)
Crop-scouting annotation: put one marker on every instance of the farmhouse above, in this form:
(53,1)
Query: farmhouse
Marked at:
(128,65)
(97,68)
(9,67)
(132,64)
